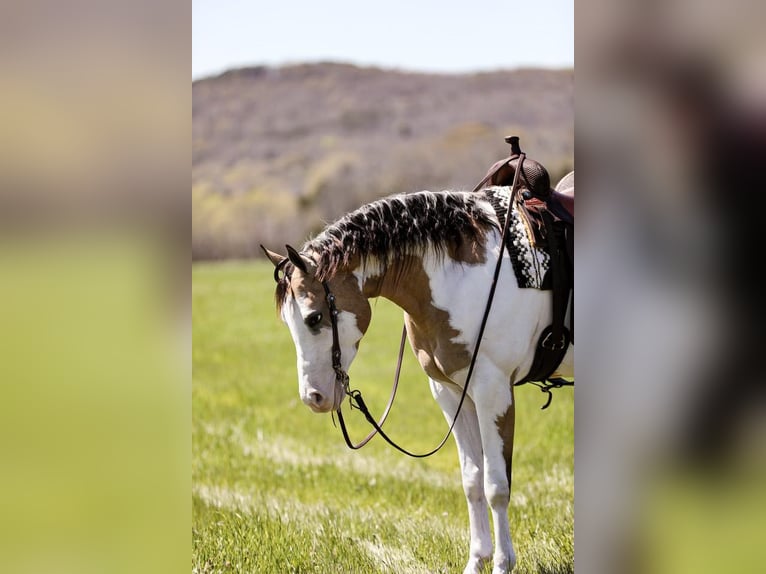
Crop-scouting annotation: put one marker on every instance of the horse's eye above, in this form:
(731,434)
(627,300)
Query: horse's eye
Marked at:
(314,319)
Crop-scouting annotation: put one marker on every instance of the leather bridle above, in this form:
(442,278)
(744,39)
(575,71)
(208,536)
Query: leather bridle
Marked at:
(341,376)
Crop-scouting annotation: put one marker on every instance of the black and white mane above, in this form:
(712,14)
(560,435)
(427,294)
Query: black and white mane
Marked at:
(400,225)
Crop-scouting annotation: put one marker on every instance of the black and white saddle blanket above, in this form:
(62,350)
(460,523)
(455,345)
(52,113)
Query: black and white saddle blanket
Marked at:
(530,260)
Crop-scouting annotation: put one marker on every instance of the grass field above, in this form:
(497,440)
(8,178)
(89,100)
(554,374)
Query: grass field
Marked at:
(275,489)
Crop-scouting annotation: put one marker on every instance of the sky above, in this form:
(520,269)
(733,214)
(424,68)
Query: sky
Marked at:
(418,35)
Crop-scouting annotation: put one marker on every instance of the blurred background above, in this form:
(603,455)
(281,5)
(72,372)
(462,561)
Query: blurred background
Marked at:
(669,431)
(320,111)
(94,289)
(280,151)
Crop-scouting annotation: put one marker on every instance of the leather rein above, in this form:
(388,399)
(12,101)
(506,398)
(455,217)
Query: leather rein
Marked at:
(355,396)
(342,378)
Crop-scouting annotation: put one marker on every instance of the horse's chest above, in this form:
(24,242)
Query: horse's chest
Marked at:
(436,350)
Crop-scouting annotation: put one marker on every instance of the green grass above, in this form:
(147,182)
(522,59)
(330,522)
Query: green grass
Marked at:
(275,489)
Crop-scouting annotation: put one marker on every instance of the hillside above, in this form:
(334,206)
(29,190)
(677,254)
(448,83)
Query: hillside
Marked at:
(277,152)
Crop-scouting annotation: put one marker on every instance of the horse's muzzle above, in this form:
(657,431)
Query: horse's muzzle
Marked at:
(321,403)
(318,402)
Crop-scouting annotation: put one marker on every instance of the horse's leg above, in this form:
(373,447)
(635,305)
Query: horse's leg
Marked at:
(496,415)
(468,439)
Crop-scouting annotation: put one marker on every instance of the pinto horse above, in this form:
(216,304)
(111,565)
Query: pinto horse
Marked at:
(433,254)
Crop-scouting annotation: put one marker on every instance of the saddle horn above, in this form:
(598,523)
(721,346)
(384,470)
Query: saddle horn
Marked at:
(533,175)
(515,147)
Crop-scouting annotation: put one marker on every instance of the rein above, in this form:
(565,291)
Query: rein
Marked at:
(342,377)
(355,396)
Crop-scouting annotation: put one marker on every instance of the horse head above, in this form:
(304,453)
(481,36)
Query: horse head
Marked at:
(304,306)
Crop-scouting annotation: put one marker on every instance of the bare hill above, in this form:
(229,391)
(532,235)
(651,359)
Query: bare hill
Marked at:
(277,152)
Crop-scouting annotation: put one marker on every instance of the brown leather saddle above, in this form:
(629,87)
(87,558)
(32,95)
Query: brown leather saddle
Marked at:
(549,213)
(535,182)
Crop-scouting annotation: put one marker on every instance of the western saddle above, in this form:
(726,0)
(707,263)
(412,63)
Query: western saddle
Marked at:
(550,214)
(536,182)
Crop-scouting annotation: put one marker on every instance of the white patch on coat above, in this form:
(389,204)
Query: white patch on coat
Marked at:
(314,350)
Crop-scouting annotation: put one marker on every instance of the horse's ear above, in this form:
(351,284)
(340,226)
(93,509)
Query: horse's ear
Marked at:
(275,258)
(296,259)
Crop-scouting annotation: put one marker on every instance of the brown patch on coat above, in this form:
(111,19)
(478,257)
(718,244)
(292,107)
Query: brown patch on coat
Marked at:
(469,252)
(428,327)
(506,423)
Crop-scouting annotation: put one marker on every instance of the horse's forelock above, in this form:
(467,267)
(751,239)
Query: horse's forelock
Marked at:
(280,295)
(283,287)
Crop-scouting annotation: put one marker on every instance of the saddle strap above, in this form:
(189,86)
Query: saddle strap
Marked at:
(555,339)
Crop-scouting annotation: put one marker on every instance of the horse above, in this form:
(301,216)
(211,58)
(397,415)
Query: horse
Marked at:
(433,254)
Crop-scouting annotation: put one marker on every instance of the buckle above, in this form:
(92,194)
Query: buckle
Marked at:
(280,267)
(550,345)
(342,377)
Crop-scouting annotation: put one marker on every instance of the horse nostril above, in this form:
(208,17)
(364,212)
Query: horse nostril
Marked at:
(316,398)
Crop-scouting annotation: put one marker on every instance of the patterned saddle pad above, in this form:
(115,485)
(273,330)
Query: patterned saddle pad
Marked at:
(526,240)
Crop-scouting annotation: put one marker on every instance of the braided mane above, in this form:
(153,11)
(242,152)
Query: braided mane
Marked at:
(386,230)
(399,225)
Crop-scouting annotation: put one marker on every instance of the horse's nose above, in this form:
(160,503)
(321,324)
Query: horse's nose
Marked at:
(317,401)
